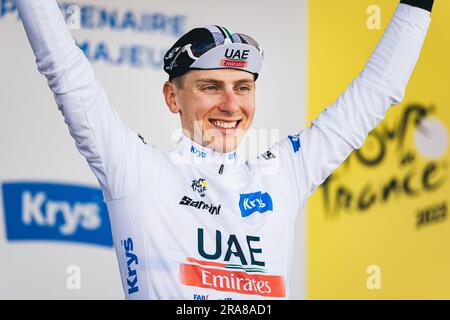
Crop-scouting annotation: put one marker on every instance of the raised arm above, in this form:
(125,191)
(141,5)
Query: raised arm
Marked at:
(344,126)
(100,135)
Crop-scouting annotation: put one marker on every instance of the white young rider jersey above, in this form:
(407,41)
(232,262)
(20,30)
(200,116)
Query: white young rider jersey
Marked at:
(192,223)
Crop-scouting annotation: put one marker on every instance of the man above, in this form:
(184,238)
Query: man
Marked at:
(199,221)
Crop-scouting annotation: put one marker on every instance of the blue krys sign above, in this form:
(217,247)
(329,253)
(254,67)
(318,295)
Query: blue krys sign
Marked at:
(59,212)
(255,202)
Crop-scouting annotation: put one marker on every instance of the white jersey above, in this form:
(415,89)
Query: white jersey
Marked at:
(195,224)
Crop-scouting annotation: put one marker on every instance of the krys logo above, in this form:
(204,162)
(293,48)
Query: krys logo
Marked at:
(197,152)
(131,264)
(47,211)
(255,202)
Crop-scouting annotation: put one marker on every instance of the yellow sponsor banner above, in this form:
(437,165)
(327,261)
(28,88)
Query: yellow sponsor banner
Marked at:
(379,227)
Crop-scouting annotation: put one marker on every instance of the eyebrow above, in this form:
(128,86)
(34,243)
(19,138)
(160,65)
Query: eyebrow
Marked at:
(220,82)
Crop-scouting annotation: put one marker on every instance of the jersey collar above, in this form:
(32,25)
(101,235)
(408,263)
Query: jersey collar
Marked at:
(195,153)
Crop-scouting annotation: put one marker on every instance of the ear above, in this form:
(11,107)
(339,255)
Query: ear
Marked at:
(170,92)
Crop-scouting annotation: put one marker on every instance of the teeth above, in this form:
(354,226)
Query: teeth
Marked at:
(224,125)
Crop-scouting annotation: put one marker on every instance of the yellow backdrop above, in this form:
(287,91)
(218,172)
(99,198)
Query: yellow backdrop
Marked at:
(379,227)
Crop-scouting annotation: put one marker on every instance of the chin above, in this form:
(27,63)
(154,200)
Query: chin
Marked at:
(224,144)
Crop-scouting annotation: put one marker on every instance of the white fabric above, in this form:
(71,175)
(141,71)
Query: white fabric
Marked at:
(167,250)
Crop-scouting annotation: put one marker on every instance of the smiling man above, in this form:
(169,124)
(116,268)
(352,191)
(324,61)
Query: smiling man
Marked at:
(200,222)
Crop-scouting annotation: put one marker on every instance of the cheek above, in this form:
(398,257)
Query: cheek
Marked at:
(202,111)
(198,116)
(203,107)
(194,107)
(249,107)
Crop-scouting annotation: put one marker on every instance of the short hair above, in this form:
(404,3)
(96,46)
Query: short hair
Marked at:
(179,81)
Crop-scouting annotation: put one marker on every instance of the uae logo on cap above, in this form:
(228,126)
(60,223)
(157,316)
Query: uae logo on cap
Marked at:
(235,58)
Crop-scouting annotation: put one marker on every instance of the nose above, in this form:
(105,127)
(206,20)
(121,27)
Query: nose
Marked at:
(229,103)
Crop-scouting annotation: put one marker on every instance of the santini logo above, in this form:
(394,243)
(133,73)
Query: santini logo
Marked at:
(212,209)
(255,202)
(45,211)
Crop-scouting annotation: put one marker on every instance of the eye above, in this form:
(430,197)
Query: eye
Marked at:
(244,89)
(210,88)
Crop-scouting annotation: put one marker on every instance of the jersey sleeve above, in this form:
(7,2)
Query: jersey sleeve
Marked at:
(99,133)
(342,127)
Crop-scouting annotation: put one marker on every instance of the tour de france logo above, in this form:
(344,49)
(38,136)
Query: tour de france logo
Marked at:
(200,185)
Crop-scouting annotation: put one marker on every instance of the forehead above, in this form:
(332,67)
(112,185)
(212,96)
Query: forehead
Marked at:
(223,75)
